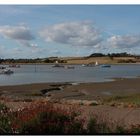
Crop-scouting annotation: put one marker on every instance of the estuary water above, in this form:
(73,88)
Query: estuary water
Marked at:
(27,74)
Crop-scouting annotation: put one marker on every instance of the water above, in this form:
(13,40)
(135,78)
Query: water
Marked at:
(46,73)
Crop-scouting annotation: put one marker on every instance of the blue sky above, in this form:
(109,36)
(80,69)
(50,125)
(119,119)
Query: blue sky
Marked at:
(30,31)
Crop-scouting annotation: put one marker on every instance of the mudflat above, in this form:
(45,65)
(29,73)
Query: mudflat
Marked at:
(88,91)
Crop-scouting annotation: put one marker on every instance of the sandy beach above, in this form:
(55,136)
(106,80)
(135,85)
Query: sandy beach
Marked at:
(116,101)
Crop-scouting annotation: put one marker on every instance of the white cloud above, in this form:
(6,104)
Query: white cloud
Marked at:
(21,34)
(81,34)
(126,41)
(16,32)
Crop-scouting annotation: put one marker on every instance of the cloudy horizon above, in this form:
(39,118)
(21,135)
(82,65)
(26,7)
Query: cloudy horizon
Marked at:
(68,30)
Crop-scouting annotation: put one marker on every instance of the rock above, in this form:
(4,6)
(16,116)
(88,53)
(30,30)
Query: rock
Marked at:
(130,105)
(112,104)
(84,102)
(90,103)
(48,95)
(94,103)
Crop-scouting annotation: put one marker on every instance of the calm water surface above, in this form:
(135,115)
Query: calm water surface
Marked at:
(46,73)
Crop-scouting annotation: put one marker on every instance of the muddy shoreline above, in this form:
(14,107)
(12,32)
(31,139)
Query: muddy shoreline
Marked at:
(86,91)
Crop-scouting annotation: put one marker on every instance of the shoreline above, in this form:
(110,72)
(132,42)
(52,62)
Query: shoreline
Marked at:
(115,79)
(114,63)
(107,80)
(118,86)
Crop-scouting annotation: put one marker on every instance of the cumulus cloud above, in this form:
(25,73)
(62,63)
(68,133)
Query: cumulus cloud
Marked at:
(126,41)
(16,32)
(82,34)
(21,34)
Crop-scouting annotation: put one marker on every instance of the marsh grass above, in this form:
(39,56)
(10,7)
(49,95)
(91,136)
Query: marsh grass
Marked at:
(133,99)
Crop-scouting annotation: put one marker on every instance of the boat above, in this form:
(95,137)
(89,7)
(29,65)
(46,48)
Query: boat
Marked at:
(69,67)
(90,64)
(14,66)
(7,71)
(2,67)
(58,65)
(106,66)
(83,65)
(96,63)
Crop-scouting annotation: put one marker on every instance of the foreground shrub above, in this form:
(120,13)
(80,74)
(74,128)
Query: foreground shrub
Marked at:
(5,126)
(134,129)
(94,127)
(46,119)
(3,107)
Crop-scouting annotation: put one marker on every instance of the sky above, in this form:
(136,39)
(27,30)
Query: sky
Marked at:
(40,31)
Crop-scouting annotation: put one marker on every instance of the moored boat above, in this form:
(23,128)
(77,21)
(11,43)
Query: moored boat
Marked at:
(14,66)
(58,65)
(2,67)
(69,67)
(96,63)
(106,66)
(90,64)
(83,65)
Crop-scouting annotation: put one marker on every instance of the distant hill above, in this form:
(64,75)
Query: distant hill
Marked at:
(97,55)
(123,54)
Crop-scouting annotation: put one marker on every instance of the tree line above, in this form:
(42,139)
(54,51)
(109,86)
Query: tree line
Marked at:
(37,60)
